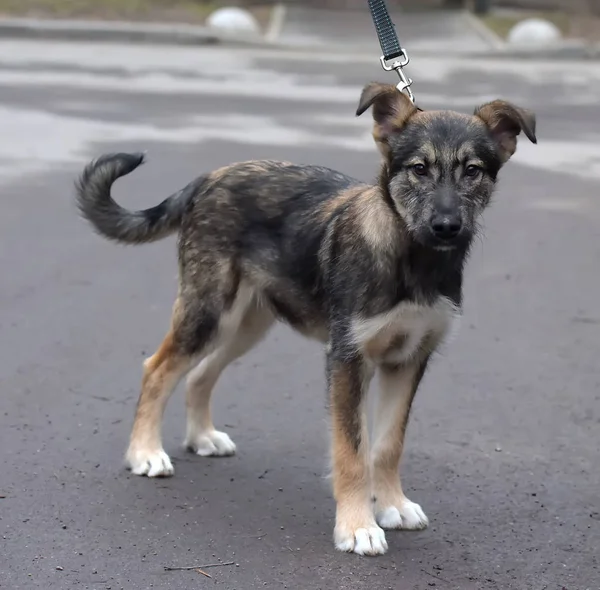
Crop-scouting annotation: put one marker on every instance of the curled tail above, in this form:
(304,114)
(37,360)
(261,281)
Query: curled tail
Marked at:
(116,223)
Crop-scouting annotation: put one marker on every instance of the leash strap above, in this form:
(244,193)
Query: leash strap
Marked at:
(390,45)
(386,32)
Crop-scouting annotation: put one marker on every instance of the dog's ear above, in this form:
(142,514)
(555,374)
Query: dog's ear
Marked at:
(391,109)
(505,121)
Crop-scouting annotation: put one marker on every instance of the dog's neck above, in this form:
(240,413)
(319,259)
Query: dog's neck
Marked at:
(428,273)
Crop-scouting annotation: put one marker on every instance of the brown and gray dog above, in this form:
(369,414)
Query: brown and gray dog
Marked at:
(374,272)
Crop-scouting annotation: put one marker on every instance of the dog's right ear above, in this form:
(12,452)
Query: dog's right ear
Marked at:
(391,109)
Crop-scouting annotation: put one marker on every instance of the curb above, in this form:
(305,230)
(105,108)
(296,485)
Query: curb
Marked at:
(193,35)
(576,51)
(126,32)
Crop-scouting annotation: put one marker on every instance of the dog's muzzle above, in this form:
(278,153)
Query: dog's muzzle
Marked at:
(445,227)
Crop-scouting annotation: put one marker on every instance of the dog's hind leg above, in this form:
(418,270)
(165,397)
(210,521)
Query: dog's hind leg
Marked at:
(201,436)
(397,390)
(193,328)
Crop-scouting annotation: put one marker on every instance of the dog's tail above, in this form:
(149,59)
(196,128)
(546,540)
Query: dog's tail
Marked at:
(93,190)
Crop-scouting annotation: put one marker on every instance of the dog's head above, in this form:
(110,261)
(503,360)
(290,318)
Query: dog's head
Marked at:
(441,166)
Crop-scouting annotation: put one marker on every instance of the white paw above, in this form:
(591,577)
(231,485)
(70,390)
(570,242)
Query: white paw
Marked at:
(408,516)
(150,463)
(363,541)
(211,444)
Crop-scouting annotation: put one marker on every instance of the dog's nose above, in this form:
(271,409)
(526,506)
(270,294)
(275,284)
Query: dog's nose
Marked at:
(446,227)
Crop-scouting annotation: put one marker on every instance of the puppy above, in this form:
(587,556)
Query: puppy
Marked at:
(374,272)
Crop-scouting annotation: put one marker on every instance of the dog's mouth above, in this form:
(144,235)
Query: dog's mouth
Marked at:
(445,247)
(430,241)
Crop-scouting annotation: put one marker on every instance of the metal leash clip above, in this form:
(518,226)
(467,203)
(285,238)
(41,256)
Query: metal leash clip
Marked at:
(394,56)
(397,65)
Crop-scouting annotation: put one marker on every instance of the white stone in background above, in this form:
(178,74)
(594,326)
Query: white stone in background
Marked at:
(233,19)
(534,32)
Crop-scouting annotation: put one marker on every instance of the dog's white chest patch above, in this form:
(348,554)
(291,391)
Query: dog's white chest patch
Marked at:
(397,335)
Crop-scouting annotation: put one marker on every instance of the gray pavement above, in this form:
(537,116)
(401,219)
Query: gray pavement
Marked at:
(446,32)
(504,444)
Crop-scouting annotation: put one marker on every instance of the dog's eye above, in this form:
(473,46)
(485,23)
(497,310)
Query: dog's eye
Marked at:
(472,170)
(420,169)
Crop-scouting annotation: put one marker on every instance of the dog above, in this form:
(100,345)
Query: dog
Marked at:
(373,272)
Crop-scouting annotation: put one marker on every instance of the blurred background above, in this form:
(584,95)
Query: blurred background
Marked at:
(574,18)
(503,446)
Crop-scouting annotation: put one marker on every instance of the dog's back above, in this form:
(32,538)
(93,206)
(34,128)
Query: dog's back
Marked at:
(252,196)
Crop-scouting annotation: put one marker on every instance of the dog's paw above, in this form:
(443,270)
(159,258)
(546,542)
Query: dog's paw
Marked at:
(211,444)
(406,516)
(363,541)
(150,463)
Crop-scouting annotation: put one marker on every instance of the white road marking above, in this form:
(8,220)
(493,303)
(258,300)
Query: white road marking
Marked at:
(35,139)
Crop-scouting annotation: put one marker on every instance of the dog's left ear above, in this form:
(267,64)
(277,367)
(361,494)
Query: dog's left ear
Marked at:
(391,109)
(505,121)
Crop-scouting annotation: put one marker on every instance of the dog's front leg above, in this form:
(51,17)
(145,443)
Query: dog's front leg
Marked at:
(397,390)
(355,528)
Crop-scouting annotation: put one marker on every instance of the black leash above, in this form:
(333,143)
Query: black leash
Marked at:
(390,46)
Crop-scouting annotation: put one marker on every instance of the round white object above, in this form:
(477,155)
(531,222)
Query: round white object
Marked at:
(233,19)
(534,31)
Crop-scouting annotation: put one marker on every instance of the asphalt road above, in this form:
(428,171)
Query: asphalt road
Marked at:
(503,450)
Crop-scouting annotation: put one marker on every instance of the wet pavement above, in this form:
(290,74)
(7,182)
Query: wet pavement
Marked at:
(503,449)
